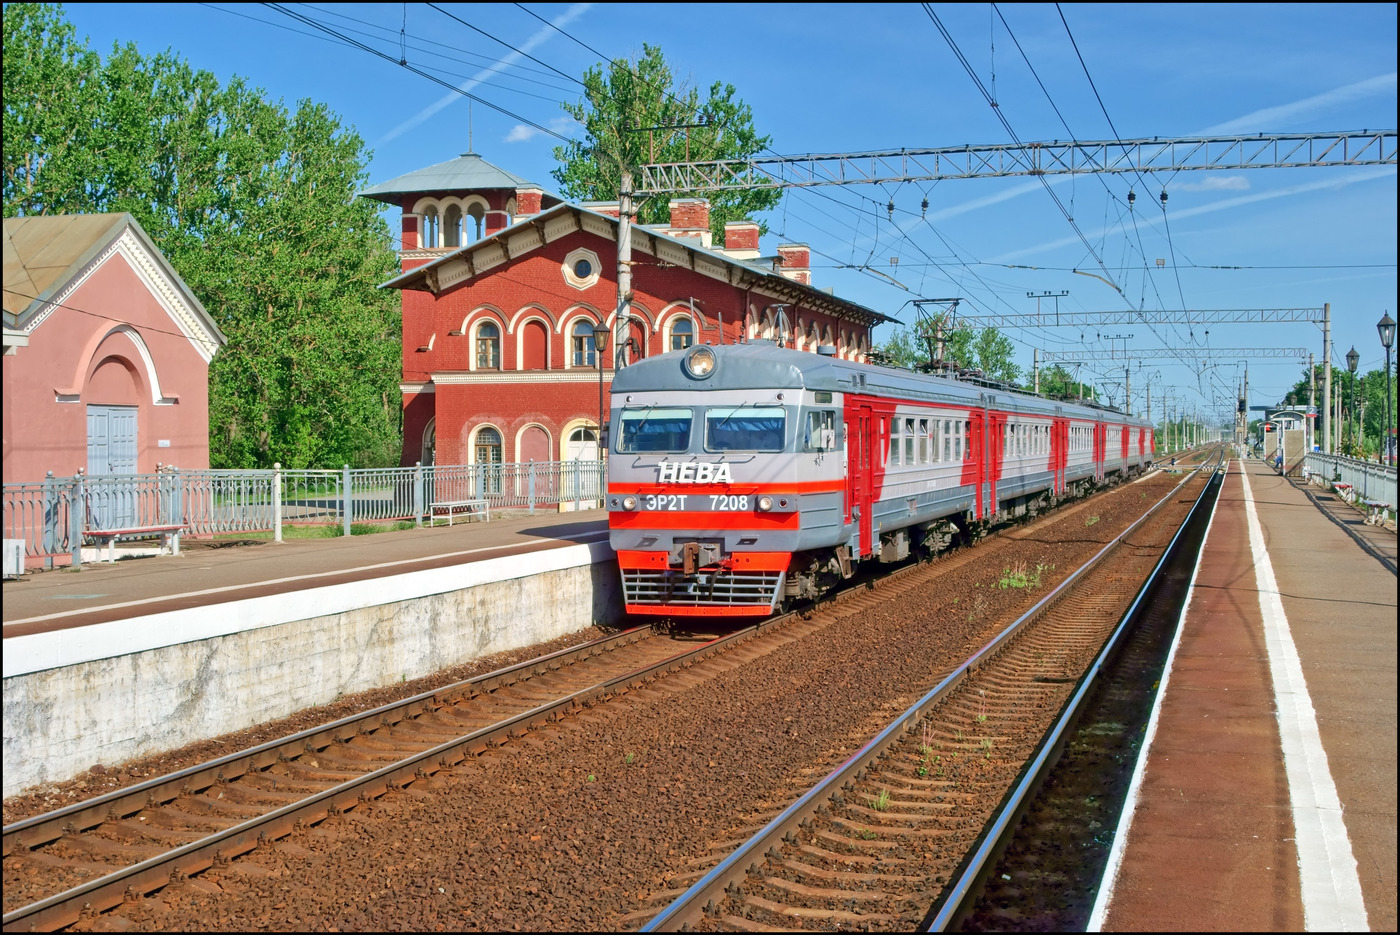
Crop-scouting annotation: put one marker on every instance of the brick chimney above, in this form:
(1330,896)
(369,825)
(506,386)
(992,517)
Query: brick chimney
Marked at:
(527,201)
(741,239)
(690,217)
(795,262)
(611,208)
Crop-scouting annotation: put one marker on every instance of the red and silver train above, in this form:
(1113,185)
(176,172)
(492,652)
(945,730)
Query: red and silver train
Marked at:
(742,476)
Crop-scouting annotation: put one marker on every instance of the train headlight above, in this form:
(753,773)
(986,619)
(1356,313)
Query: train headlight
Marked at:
(700,362)
(765,504)
(629,503)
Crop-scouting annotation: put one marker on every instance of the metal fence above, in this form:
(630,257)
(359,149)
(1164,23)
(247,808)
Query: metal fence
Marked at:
(215,502)
(1368,479)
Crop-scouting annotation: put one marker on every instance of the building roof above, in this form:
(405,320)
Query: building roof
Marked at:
(427,278)
(467,171)
(43,254)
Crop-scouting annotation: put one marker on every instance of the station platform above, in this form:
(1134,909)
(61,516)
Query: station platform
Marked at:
(113,661)
(212,571)
(1266,799)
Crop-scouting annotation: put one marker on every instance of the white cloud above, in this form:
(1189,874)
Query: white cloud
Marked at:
(520,132)
(1271,118)
(1211,182)
(1154,219)
(540,36)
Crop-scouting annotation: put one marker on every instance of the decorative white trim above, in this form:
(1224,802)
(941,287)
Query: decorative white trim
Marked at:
(523,315)
(417,388)
(572,259)
(567,318)
(467,378)
(147,361)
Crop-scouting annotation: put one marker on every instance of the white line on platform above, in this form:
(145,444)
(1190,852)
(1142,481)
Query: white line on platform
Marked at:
(591,537)
(1125,817)
(1332,899)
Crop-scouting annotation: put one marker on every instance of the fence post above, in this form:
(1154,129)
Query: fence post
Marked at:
(531,470)
(75,520)
(49,537)
(346,503)
(418,493)
(277,501)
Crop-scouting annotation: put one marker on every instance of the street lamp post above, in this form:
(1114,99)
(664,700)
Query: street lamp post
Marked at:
(1386,328)
(1352,359)
(600,346)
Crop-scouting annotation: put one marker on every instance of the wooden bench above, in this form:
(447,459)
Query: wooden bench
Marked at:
(450,507)
(169,534)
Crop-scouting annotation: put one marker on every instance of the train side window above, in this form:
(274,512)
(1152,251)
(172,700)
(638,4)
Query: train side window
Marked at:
(745,428)
(821,431)
(967,440)
(924,442)
(893,457)
(909,441)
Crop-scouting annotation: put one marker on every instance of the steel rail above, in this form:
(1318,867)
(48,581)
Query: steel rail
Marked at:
(105,892)
(50,826)
(693,903)
(950,906)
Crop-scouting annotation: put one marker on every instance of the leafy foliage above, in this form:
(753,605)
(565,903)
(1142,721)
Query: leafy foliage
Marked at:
(644,93)
(254,205)
(987,350)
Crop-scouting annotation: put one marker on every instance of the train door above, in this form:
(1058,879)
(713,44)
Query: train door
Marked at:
(1059,453)
(973,471)
(996,452)
(864,445)
(1100,438)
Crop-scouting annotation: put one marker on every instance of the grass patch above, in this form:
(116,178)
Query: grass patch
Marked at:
(881,801)
(1091,521)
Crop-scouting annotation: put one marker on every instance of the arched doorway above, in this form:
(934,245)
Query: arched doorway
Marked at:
(582,481)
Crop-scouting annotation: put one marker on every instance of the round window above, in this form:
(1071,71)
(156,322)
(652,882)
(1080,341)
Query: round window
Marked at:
(583,269)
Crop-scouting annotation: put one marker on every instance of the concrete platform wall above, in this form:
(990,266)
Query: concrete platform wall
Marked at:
(189,675)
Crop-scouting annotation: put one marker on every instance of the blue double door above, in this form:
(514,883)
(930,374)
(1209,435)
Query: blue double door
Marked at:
(111,445)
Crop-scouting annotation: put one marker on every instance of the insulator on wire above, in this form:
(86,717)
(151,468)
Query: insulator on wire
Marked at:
(1164,197)
(1132,197)
(923,208)
(890,208)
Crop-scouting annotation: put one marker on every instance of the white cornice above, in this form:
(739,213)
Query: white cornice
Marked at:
(463,377)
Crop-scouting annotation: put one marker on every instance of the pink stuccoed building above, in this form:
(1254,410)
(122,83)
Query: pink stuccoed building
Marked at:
(106,363)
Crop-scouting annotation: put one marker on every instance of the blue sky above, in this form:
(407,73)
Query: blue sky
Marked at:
(835,78)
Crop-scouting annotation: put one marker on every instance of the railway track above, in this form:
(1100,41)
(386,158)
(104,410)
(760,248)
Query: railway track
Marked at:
(95,855)
(911,820)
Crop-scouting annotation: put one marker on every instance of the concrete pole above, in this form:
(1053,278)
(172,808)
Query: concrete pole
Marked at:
(1128,390)
(1327,445)
(1311,424)
(624,271)
(1035,366)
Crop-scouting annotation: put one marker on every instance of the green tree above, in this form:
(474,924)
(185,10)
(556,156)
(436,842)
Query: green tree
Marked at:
(622,95)
(987,350)
(254,205)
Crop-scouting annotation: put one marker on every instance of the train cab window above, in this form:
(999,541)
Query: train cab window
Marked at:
(655,430)
(821,431)
(745,428)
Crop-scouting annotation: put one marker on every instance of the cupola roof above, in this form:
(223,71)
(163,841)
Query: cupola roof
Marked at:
(468,172)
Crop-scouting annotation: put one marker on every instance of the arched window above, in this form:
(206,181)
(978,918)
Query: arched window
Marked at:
(488,346)
(452,226)
(477,212)
(430,227)
(682,334)
(488,455)
(429,443)
(582,334)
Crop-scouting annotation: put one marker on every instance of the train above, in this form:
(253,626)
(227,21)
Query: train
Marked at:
(744,477)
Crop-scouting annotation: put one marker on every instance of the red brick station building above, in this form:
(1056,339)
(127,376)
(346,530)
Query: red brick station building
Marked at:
(504,283)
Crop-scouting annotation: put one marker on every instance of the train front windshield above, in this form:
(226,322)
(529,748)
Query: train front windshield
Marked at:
(655,430)
(745,428)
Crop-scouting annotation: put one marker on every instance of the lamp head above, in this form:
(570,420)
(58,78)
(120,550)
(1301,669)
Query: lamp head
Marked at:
(1386,328)
(1352,359)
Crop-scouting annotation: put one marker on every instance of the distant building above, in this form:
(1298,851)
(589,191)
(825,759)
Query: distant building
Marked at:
(503,285)
(106,364)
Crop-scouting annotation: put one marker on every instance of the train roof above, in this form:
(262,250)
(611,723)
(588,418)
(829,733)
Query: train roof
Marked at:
(762,365)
